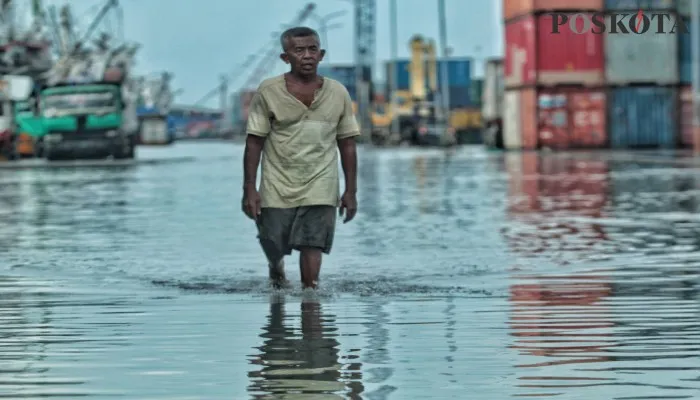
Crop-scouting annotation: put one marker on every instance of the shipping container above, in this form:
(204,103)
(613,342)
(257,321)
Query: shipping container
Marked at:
(686,116)
(641,58)
(520,119)
(634,5)
(643,117)
(492,95)
(402,71)
(683,7)
(460,97)
(516,8)
(459,72)
(344,74)
(535,56)
(571,118)
(458,69)
(154,131)
(685,61)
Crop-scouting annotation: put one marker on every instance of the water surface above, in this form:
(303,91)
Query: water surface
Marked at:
(465,274)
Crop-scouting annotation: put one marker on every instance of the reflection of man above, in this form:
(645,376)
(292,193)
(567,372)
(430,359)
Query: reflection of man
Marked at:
(306,364)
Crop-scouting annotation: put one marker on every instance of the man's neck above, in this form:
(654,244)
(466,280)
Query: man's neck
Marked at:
(305,79)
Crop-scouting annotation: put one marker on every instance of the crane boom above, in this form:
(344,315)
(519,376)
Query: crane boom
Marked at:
(265,62)
(96,22)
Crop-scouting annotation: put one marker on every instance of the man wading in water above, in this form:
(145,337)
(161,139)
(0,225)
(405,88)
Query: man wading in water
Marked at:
(296,120)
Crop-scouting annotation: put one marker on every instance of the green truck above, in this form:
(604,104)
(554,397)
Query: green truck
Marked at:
(82,121)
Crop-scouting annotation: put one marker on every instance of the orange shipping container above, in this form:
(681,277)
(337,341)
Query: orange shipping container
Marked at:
(520,119)
(571,118)
(686,116)
(516,8)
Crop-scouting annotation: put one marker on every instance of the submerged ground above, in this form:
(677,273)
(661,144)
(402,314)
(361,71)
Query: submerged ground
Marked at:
(466,274)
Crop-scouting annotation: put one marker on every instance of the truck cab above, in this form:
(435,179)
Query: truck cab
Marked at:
(85,121)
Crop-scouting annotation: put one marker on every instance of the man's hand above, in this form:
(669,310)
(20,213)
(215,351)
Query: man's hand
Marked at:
(348,206)
(251,203)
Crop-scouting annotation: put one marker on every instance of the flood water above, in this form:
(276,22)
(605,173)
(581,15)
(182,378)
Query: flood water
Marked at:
(465,275)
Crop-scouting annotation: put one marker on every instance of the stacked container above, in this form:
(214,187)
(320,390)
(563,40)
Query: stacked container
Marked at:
(553,82)
(344,74)
(643,73)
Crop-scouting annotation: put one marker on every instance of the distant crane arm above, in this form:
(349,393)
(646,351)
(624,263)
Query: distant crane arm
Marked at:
(95,23)
(266,61)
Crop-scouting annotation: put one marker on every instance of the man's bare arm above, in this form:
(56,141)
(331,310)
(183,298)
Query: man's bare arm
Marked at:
(348,159)
(251,160)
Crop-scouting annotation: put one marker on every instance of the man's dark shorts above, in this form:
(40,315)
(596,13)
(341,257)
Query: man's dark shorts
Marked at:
(282,230)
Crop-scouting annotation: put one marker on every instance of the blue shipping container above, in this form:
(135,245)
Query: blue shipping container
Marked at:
(403,74)
(460,97)
(684,56)
(643,117)
(458,72)
(634,5)
(342,74)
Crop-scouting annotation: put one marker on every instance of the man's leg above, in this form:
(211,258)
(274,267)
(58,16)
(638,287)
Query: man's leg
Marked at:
(312,234)
(310,265)
(273,233)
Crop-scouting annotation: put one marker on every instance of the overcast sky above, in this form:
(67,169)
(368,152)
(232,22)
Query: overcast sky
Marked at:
(198,40)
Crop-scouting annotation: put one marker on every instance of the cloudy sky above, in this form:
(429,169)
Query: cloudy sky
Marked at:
(198,40)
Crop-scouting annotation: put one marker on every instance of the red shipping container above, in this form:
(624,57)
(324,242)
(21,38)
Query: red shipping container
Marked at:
(571,118)
(552,120)
(686,116)
(535,56)
(516,8)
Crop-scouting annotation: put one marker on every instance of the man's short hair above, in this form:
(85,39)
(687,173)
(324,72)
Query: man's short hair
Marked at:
(299,31)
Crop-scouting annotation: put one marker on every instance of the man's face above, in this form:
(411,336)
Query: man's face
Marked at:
(303,54)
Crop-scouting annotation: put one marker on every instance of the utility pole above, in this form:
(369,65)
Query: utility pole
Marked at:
(223,99)
(365,30)
(394,78)
(694,43)
(445,81)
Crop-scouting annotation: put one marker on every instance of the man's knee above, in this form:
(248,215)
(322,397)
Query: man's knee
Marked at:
(272,250)
(310,251)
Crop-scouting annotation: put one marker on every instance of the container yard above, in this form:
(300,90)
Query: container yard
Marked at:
(587,89)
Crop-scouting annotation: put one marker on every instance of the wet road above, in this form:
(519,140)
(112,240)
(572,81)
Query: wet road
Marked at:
(465,275)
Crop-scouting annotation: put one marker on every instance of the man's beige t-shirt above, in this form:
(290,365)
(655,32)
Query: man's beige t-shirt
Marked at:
(300,156)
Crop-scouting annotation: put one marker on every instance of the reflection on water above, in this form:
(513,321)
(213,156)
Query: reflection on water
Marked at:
(299,360)
(626,328)
(561,325)
(555,205)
